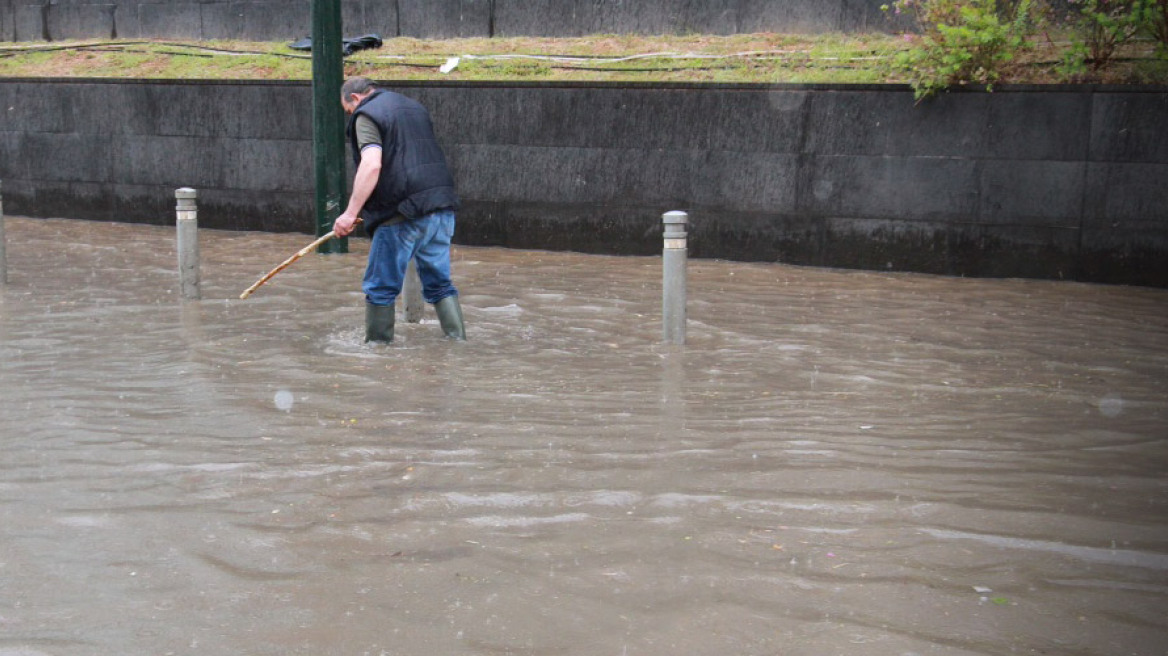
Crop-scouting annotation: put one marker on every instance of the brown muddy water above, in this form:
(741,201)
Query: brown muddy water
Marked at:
(836,463)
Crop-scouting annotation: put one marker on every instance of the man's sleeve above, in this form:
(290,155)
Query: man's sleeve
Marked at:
(367,132)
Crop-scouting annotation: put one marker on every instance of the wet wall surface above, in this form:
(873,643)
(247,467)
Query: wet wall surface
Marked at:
(266,20)
(1044,183)
(836,463)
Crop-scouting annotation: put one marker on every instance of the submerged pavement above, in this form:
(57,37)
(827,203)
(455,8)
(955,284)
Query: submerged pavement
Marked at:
(837,462)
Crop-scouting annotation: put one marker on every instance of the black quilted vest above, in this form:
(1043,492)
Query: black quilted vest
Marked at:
(414,179)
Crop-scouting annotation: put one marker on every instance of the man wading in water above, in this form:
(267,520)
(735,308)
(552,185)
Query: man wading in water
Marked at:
(405,195)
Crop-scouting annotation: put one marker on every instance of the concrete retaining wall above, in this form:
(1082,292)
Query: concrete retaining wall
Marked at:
(274,20)
(1049,183)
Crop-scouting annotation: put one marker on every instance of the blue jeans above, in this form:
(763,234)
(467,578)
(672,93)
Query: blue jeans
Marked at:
(427,242)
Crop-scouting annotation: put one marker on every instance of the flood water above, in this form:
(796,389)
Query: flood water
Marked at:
(836,463)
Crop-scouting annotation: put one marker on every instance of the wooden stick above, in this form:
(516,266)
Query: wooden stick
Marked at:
(286,263)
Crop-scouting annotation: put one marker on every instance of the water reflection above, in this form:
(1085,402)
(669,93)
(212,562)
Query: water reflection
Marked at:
(837,462)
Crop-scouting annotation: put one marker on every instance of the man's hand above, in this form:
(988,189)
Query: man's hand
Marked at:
(368,171)
(345,224)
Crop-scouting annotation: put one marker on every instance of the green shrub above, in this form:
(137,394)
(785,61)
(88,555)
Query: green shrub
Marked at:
(1105,25)
(1156,22)
(963,41)
(1100,27)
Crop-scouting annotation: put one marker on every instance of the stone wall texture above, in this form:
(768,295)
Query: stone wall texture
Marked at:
(274,20)
(1029,182)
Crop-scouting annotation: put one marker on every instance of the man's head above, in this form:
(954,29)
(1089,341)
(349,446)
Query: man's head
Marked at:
(354,90)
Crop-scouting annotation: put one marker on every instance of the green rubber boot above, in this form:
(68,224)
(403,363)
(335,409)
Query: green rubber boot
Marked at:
(379,323)
(450,318)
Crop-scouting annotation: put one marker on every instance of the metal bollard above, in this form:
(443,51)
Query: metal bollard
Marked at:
(412,291)
(187,235)
(3,254)
(673,277)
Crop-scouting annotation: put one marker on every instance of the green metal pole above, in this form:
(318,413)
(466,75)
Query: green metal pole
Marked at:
(328,120)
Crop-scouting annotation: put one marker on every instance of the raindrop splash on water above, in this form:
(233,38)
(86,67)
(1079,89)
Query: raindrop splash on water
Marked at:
(1111,405)
(284,400)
